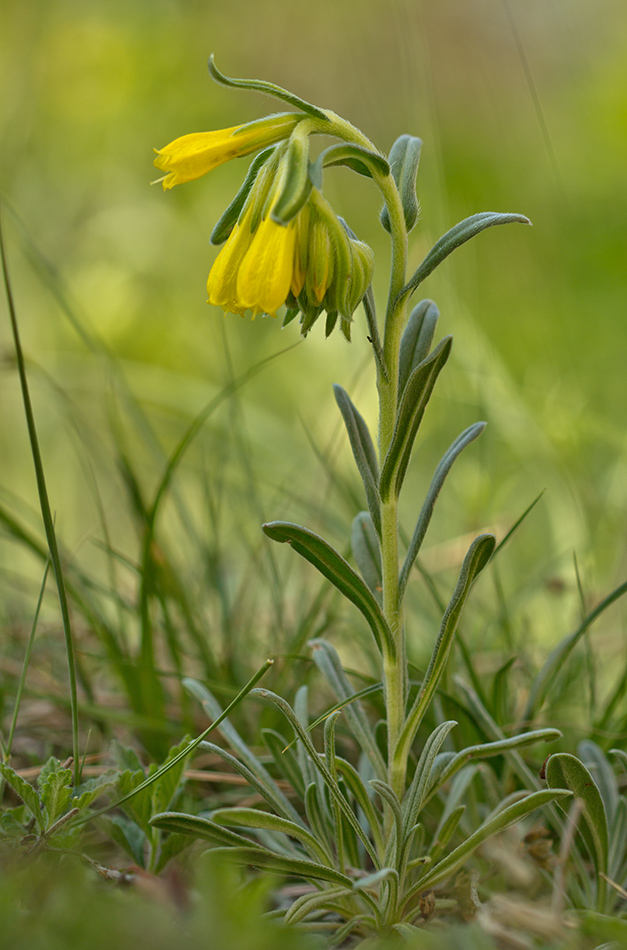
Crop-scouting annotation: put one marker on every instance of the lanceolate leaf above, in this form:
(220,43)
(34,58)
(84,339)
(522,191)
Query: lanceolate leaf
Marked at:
(416,793)
(367,552)
(566,771)
(363,451)
(254,818)
(404,159)
(478,555)
(493,826)
(333,566)
(199,827)
(457,236)
(361,160)
(416,340)
(444,467)
(411,410)
(269,88)
(297,185)
(227,221)
(294,867)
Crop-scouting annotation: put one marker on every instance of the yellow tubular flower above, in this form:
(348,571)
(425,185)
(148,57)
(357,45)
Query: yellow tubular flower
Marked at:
(265,275)
(193,155)
(222,281)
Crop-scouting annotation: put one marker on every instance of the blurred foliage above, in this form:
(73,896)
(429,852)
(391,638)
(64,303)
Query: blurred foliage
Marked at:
(522,107)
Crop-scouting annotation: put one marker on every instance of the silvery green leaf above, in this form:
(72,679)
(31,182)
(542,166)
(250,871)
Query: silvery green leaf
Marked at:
(413,800)
(363,451)
(255,818)
(367,552)
(424,519)
(404,159)
(454,238)
(410,413)
(416,340)
(478,555)
(335,568)
(268,88)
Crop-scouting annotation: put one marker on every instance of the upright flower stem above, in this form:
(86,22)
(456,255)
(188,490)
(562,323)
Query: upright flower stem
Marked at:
(394,668)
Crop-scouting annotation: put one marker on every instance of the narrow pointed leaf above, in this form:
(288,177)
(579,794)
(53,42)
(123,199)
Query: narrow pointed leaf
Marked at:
(326,776)
(254,818)
(404,160)
(328,662)
(424,519)
(332,565)
(595,760)
(297,185)
(493,826)
(361,160)
(293,867)
(367,552)
(284,759)
(227,221)
(416,340)
(454,238)
(476,559)
(269,88)
(567,771)
(413,800)
(411,410)
(308,903)
(363,451)
(199,827)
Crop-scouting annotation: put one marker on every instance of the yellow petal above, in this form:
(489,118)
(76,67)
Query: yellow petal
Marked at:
(192,156)
(265,274)
(222,280)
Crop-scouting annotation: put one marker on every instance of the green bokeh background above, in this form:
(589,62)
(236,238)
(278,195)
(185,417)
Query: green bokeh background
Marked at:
(522,107)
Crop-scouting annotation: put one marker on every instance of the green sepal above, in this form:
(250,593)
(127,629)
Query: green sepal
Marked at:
(457,236)
(444,467)
(227,221)
(269,88)
(404,159)
(360,160)
(416,340)
(411,410)
(364,451)
(567,771)
(290,314)
(297,185)
(332,565)
(367,552)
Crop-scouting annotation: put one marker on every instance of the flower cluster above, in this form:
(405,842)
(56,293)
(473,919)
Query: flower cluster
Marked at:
(282,241)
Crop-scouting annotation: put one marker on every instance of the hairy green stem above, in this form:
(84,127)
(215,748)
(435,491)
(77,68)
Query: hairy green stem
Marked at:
(394,669)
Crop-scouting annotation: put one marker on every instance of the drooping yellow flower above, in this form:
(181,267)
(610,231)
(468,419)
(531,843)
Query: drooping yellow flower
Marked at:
(193,155)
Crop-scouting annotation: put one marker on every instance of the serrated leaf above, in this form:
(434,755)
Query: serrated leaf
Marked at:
(55,793)
(410,413)
(332,565)
(416,340)
(364,452)
(254,818)
(478,555)
(268,88)
(128,835)
(454,238)
(167,787)
(495,825)
(25,791)
(90,790)
(424,519)
(567,771)
(367,552)
(404,160)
